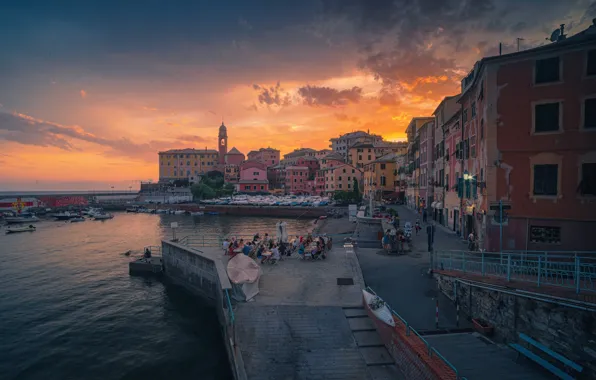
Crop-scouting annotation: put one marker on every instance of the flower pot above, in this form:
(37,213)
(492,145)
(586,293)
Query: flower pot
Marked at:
(483,327)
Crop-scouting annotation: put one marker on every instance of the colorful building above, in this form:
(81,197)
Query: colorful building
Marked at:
(343,143)
(380,177)
(180,164)
(234,157)
(341,178)
(268,156)
(253,178)
(529,141)
(452,204)
(298,181)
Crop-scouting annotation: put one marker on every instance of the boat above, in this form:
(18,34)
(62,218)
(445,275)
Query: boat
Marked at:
(12,230)
(133,209)
(21,218)
(212,213)
(179,212)
(103,216)
(64,216)
(161,211)
(378,307)
(197,213)
(77,219)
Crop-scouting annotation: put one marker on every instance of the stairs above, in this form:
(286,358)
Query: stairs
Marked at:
(379,362)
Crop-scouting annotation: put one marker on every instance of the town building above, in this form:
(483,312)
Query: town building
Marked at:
(380,177)
(529,142)
(297,180)
(424,175)
(186,164)
(253,178)
(343,143)
(268,156)
(292,157)
(341,178)
(443,113)
(234,157)
(452,164)
(413,199)
(362,153)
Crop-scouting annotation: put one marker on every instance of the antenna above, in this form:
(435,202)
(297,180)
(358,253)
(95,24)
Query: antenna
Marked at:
(518,39)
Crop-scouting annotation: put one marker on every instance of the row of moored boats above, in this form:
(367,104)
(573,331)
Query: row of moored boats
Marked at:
(143,210)
(23,222)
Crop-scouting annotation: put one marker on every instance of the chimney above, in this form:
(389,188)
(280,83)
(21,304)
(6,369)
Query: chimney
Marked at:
(562,36)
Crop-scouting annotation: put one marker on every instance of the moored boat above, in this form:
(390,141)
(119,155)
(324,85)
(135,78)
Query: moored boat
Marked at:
(21,218)
(179,212)
(15,229)
(77,219)
(103,216)
(378,307)
(197,213)
(64,216)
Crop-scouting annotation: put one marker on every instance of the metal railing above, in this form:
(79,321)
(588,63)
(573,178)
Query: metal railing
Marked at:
(430,350)
(215,241)
(153,249)
(231,316)
(552,269)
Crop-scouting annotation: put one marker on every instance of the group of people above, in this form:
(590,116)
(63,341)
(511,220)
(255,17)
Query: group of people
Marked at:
(267,250)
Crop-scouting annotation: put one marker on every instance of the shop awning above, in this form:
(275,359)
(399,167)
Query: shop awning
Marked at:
(433,204)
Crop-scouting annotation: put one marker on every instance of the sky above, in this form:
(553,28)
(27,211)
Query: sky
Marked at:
(91,90)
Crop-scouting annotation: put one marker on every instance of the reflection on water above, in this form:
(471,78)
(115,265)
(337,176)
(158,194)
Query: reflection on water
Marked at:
(69,309)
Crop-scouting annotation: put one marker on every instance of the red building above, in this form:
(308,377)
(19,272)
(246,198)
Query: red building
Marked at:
(268,156)
(529,141)
(297,180)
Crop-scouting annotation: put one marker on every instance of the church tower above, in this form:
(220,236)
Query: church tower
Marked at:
(222,142)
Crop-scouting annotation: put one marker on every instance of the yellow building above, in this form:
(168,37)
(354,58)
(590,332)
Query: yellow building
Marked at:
(188,164)
(341,178)
(381,175)
(363,153)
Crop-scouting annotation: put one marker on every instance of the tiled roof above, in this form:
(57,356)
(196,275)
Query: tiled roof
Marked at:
(235,151)
(188,151)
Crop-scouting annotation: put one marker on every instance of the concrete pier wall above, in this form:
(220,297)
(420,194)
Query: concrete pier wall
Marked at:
(203,273)
(565,327)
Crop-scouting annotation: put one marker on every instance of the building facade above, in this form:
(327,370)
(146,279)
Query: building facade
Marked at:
(253,178)
(343,143)
(341,178)
(297,180)
(452,164)
(268,156)
(380,177)
(186,164)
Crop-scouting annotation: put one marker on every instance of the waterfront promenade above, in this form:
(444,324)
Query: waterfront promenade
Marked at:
(303,325)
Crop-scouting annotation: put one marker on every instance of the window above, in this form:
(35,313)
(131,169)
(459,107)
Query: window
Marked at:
(344,170)
(262,187)
(360,157)
(587,186)
(353,171)
(383,180)
(546,117)
(349,186)
(255,173)
(550,235)
(447,181)
(369,157)
(340,178)
(545,179)
(590,113)
(547,70)
(339,186)
(473,109)
(591,66)
(382,166)
(254,187)
(247,187)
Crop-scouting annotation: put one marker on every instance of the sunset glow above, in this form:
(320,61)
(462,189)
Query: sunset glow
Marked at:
(87,99)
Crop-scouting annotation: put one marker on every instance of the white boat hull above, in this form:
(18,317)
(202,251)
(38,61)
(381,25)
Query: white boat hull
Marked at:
(19,229)
(382,313)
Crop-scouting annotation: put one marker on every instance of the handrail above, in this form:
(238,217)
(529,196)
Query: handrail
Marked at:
(232,317)
(410,329)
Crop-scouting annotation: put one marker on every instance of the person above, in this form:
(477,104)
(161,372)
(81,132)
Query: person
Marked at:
(424,216)
(226,245)
(247,248)
(417,226)
(386,245)
(147,254)
(301,250)
(471,238)
(275,253)
(256,237)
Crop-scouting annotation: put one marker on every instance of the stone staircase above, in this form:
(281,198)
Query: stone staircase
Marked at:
(379,362)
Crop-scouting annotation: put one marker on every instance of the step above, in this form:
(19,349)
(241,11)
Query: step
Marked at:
(361,324)
(367,339)
(355,313)
(385,372)
(376,356)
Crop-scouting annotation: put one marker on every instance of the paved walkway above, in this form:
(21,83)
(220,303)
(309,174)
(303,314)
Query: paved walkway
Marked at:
(303,325)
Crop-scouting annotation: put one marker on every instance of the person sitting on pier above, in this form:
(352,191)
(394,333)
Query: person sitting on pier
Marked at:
(247,248)
(225,245)
(147,253)
(256,237)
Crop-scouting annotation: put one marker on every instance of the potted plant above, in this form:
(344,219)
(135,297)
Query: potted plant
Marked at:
(483,327)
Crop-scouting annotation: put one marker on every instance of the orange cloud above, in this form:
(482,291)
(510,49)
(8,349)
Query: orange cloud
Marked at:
(83,94)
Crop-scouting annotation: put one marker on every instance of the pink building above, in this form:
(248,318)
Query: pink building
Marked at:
(268,156)
(297,180)
(253,178)
(234,157)
(451,203)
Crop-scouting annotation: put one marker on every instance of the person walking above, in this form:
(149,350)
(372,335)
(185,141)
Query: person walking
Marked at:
(424,216)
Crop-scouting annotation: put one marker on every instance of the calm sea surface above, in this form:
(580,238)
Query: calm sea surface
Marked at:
(69,309)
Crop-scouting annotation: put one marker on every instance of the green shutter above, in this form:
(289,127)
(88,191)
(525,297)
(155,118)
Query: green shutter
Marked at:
(468,188)
(460,187)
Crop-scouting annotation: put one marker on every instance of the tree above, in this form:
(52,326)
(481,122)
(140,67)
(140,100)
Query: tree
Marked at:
(356,191)
(202,191)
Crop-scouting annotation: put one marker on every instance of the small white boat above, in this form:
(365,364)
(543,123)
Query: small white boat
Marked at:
(378,307)
(12,230)
(22,218)
(103,216)
(161,211)
(77,219)
(179,212)
(197,213)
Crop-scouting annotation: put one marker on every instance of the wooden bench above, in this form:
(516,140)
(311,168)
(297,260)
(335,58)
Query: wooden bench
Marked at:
(545,363)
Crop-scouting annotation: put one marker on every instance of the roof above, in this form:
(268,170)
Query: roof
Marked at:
(362,145)
(334,156)
(188,151)
(586,36)
(235,151)
(391,157)
(299,152)
(308,158)
(445,99)
(263,150)
(341,166)
(296,168)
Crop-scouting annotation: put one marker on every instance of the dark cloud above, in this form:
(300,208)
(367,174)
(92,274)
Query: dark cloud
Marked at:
(327,96)
(272,96)
(27,130)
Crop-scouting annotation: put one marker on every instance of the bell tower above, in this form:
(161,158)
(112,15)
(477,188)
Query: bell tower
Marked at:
(222,143)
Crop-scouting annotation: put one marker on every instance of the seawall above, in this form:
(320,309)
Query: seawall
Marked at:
(202,272)
(565,326)
(238,210)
